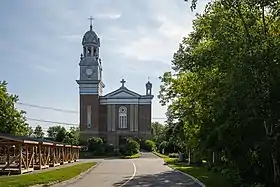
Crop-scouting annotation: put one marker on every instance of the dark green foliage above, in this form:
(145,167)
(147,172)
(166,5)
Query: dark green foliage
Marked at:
(12,120)
(224,95)
(72,136)
(38,132)
(130,148)
(60,134)
(148,145)
(96,145)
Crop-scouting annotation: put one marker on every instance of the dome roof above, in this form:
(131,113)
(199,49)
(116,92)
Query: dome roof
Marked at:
(90,37)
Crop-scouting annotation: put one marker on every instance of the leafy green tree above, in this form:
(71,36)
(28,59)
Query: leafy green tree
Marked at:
(12,120)
(157,130)
(131,147)
(72,136)
(53,130)
(61,134)
(150,145)
(38,132)
(224,90)
(30,131)
(96,145)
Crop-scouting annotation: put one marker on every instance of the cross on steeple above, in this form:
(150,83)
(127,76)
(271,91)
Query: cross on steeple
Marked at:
(123,81)
(90,19)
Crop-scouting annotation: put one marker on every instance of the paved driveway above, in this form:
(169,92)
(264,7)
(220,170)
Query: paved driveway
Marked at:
(147,171)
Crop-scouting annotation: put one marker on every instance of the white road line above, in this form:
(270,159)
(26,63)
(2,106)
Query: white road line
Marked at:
(134,173)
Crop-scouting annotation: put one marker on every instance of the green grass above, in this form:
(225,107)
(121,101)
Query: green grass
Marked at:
(207,177)
(137,155)
(47,177)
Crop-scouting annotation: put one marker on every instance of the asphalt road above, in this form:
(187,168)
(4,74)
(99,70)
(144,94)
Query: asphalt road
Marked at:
(147,171)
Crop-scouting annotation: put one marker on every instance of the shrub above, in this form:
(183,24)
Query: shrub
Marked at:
(109,148)
(96,145)
(150,145)
(130,148)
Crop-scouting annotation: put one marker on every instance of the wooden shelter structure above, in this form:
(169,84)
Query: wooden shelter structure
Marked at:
(20,154)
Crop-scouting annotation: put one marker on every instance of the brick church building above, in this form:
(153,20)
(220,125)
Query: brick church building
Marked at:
(118,114)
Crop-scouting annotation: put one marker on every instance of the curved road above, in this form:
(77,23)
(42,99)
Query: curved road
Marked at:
(148,171)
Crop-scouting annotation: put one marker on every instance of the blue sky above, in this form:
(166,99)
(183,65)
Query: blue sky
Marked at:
(40,46)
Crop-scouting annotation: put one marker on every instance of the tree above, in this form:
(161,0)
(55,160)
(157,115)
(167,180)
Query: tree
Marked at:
(38,132)
(61,134)
(158,133)
(225,88)
(30,131)
(72,136)
(53,130)
(12,121)
(96,145)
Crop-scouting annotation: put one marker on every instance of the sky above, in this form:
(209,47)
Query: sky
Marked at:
(40,47)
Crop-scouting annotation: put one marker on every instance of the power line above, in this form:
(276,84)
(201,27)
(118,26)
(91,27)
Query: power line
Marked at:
(47,108)
(62,110)
(56,122)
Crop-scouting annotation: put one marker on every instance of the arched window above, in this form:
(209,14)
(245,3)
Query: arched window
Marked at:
(94,51)
(89,51)
(122,117)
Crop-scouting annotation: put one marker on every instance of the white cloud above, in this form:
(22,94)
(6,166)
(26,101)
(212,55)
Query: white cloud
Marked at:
(44,69)
(147,48)
(160,43)
(108,15)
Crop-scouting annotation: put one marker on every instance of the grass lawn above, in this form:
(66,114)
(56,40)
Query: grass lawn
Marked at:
(209,178)
(137,155)
(46,177)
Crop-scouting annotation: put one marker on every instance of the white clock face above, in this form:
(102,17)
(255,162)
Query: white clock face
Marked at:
(89,71)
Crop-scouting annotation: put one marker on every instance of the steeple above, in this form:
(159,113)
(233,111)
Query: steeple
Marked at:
(91,19)
(90,66)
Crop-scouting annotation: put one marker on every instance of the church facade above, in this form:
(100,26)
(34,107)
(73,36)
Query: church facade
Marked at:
(116,115)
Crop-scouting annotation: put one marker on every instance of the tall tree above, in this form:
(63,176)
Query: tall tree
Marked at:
(38,132)
(30,131)
(226,86)
(72,136)
(12,120)
(53,130)
(61,134)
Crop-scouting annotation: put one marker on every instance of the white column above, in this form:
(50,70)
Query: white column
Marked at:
(89,116)
(113,118)
(109,118)
(136,117)
(131,118)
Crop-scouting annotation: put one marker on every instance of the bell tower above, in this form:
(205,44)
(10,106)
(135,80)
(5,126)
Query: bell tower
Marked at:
(90,83)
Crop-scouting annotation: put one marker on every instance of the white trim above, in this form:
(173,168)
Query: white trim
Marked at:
(88,91)
(88,116)
(104,101)
(120,90)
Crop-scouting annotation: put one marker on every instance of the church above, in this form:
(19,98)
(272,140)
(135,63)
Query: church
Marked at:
(115,115)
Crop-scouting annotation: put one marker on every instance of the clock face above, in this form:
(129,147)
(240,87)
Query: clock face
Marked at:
(89,71)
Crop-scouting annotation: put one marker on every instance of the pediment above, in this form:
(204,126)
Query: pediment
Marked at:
(122,92)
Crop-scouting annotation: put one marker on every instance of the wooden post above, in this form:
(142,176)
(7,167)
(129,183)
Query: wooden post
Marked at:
(26,153)
(40,156)
(33,156)
(20,158)
(8,154)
